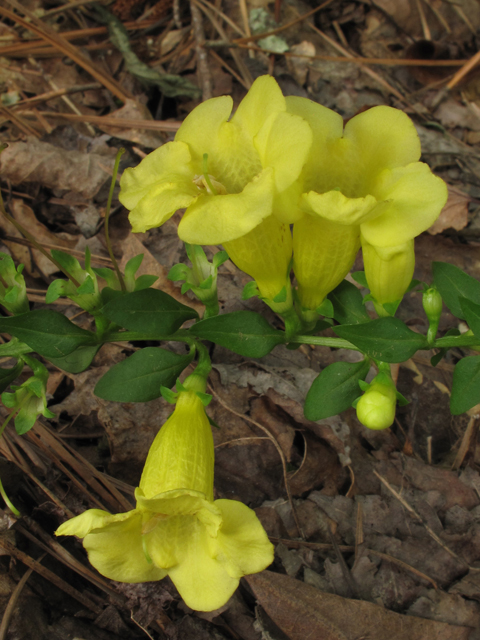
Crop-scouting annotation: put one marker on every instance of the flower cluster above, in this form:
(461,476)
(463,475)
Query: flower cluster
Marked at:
(280,161)
(177,528)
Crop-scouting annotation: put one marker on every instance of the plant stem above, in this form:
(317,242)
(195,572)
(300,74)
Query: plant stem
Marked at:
(120,152)
(336,343)
(455,341)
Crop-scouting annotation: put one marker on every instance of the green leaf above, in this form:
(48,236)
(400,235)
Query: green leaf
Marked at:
(334,390)
(8,375)
(47,332)
(361,278)
(472,315)
(453,284)
(466,385)
(348,307)
(387,339)
(78,360)
(144,282)
(56,289)
(140,377)
(148,311)
(244,332)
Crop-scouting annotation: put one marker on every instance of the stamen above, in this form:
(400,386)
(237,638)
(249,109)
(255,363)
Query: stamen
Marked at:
(206,176)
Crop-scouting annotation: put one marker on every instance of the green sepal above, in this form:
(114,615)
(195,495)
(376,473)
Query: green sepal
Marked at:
(219,258)
(57,289)
(213,423)
(250,290)
(281,296)
(326,309)
(87,287)
(363,385)
(391,307)
(168,395)
(178,272)
(206,398)
(401,400)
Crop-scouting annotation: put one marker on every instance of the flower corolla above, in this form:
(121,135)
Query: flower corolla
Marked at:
(177,528)
(362,184)
(234,178)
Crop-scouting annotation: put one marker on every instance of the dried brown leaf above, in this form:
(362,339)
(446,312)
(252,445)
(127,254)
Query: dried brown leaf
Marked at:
(454,214)
(54,168)
(305,613)
(133,110)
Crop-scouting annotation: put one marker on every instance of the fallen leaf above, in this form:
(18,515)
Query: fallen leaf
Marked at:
(26,217)
(305,613)
(53,167)
(135,111)
(454,214)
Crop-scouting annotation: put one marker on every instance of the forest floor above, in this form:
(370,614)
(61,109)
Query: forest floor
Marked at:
(381,537)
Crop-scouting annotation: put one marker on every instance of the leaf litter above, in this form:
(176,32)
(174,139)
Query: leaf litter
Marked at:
(391,543)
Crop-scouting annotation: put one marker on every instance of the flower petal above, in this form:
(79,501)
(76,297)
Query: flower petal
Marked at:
(160,203)
(383,137)
(201,127)
(415,197)
(166,164)
(264,98)
(218,219)
(336,207)
(116,551)
(242,543)
(181,456)
(201,579)
(182,503)
(89,520)
(284,143)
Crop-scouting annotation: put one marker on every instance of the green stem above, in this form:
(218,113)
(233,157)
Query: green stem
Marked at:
(454,341)
(120,152)
(7,501)
(336,343)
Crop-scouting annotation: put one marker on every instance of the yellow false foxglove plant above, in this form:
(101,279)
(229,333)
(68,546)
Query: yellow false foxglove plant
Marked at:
(376,407)
(177,528)
(235,178)
(362,185)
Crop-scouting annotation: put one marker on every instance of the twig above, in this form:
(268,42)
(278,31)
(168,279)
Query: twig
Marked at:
(202,59)
(49,575)
(7,615)
(423,20)
(277,447)
(59,42)
(110,121)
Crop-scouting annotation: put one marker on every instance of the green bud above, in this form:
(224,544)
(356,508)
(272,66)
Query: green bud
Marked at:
(13,292)
(432,305)
(376,408)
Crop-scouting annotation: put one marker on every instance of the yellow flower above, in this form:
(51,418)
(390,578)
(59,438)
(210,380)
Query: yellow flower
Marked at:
(232,177)
(362,184)
(177,529)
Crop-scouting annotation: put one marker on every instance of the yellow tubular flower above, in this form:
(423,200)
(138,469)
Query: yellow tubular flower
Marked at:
(177,529)
(365,177)
(389,271)
(229,175)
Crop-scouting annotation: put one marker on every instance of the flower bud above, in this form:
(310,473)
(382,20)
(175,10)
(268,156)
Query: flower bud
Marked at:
(376,408)
(432,305)
(13,292)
